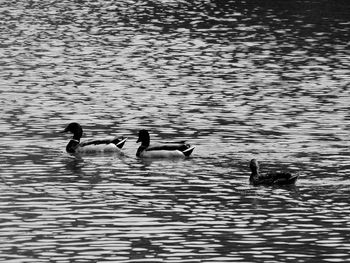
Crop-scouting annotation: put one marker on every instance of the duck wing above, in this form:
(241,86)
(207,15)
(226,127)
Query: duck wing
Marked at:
(169,147)
(266,179)
(282,178)
(174,142)
(185,149)
(118,141)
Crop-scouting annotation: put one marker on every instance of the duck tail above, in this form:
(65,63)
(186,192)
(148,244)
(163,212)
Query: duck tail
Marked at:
(188,151)
(119,142)
(294,178)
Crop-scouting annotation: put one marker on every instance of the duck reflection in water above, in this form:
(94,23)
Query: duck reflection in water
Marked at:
(271,178)
(74,165)
(76,168)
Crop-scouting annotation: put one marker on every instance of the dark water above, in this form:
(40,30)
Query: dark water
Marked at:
(238,79)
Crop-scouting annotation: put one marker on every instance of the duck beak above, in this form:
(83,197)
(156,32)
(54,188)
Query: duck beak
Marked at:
(64,131)
(138,140)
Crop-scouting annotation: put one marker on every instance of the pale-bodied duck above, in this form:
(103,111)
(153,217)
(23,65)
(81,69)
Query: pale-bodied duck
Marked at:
(165,150)
(93,145)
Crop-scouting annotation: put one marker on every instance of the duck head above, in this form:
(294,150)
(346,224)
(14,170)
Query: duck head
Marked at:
(254,166)
(143,138)
(76,129)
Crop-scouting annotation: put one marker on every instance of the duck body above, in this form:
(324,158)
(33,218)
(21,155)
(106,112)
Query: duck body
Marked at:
(269,179)
(112,144)
(166,150)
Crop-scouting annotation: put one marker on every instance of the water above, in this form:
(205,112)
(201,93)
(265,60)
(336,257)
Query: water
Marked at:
(238,79)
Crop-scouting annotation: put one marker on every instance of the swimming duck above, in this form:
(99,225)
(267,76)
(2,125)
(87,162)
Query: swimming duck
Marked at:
(101,145)
(166,150)
(277,178)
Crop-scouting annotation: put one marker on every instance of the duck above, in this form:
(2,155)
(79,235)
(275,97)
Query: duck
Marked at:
(165,150)
(269,179)
(93,145)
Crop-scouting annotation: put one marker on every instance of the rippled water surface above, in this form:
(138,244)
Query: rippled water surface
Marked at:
(237,79)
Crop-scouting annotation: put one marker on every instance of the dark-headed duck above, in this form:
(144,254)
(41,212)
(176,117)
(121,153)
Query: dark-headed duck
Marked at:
(165,150)
(94,145)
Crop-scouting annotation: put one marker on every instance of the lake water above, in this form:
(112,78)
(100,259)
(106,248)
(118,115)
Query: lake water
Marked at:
(238,79)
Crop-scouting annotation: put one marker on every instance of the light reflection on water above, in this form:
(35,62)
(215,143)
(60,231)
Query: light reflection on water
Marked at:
(236,80)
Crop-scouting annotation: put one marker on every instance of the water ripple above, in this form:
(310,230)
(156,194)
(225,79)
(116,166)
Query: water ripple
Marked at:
(237,80)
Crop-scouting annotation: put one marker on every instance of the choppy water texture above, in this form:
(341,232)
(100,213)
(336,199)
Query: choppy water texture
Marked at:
(238,79)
